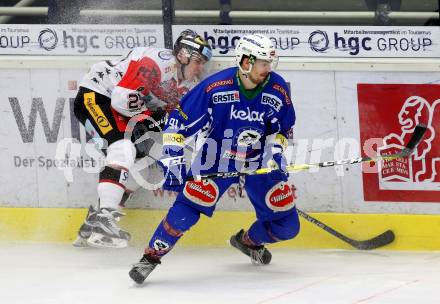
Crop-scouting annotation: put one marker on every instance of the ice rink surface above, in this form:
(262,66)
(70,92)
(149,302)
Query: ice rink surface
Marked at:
(62,274)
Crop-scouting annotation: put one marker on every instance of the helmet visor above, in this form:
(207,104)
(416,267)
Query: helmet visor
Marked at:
(206,52)
(203,50)
(271,62)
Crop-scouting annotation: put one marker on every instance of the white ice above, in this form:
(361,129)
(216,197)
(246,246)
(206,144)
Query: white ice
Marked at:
(62,274)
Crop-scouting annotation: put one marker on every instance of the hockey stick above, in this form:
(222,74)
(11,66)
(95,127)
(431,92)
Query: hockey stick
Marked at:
(378,241)
(419,131)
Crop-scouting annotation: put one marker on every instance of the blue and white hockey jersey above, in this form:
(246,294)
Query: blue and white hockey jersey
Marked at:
(234,125)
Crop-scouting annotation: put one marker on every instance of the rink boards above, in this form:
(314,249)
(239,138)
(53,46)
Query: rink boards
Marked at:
(340,105)
(341,113)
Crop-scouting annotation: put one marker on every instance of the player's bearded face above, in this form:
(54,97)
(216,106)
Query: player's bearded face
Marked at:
(260,70)
(195,67)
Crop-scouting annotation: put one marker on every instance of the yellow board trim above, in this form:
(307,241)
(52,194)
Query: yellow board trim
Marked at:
(95,111)
(60,225)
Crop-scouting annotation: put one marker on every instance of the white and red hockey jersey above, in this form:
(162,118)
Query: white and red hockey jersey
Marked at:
(143,80)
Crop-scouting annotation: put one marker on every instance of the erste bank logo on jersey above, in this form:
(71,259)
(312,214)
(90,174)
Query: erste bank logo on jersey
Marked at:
(226,97)
(271,100)
(396,109)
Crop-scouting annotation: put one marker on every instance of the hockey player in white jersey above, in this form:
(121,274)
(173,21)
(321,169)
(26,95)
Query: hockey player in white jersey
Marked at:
(145,83)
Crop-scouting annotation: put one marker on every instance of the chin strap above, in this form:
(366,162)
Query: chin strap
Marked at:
(183,65)
(182,70)
(245,75)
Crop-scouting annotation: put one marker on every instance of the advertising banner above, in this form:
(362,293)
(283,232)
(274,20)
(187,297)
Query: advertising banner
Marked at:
(391,112)
(327,41)
(77,39)
(37,117)
(47,160)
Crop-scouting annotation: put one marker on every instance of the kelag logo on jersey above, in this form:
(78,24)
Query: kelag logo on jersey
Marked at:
(226,97)
(272,101)
(246,115)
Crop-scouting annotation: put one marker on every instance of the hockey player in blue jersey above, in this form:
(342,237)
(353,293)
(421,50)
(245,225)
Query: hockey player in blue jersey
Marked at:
(242,118)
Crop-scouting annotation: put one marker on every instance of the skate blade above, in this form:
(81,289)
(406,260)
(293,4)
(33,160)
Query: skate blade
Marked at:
(101,241)
(136,277)
(80,242)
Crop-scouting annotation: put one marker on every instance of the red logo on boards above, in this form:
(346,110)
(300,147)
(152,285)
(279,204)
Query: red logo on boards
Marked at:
(391,112)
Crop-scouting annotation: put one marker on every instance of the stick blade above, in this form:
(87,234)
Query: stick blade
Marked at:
(379,241)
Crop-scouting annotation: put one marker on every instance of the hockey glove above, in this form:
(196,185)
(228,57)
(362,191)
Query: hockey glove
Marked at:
(278,164)
(158,120)
(146,131)
(174,170)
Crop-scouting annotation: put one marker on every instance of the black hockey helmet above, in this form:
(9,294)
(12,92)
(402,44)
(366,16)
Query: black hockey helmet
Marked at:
(193,43)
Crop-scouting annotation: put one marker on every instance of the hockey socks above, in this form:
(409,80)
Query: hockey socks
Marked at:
(180,218)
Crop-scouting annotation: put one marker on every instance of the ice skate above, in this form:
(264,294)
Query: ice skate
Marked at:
(106,232)
(259,254)
(85,230)
(140,271)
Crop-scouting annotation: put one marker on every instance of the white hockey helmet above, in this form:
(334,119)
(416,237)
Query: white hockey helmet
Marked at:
(255,47)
